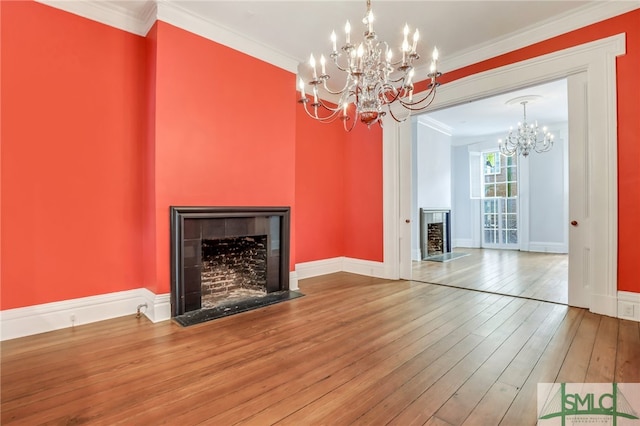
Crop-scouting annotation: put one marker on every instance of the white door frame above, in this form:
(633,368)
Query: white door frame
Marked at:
(597,60)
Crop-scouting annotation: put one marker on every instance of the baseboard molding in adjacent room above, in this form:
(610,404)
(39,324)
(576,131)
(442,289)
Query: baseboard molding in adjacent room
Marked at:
(463,243)
(542,247)
(629,305)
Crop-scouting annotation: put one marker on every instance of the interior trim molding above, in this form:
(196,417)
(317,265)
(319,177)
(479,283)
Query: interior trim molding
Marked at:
(597,60)
(569,21)
(37,319)
(112,13)
(172,13)
(316,268)
(629,305)
(293,280)
(158,305)
(463,243)
(546,247)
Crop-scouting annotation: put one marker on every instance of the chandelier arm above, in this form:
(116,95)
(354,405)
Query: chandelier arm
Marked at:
(412,106)
(338,92)
(353,124)
(396,118)
(335,62)
(328,119)
(398,80)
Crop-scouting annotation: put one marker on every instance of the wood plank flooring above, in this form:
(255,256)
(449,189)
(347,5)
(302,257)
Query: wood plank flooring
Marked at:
(540,276)
(354,350)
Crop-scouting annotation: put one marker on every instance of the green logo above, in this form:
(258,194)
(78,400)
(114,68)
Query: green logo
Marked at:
(582,402)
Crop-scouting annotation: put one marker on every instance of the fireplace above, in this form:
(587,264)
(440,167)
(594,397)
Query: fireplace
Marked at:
(221,256)
(435,232)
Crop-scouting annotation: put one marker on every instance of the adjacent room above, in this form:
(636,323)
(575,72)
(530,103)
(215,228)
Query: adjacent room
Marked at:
(499,217)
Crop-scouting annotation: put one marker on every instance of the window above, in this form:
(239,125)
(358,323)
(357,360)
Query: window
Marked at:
(500,202)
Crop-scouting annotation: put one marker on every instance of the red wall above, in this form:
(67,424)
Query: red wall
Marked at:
(320,169)
(103,130)
(628,92)
(363,231)
(71,178)
(220,139)
(338,190)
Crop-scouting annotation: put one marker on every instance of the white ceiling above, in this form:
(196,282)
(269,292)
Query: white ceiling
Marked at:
(495,115)
(298,28)
(285,33)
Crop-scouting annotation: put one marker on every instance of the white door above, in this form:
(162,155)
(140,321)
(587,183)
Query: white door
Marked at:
(579,244)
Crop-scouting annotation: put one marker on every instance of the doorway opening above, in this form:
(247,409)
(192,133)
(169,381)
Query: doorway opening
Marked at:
(497,202)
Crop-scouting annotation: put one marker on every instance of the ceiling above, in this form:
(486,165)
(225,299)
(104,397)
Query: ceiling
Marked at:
(496,115)
(285,33)
(298,28)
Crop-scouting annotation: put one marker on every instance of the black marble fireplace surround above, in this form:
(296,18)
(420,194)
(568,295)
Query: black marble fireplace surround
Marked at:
(226,260)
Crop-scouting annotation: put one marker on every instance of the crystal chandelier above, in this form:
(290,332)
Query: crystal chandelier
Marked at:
(525,138)
(373,80)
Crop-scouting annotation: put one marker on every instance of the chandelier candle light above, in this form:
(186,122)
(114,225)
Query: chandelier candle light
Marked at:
(526,137)
(373,81)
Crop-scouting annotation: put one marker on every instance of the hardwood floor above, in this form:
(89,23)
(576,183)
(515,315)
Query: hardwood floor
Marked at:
(540,276)
(354,350)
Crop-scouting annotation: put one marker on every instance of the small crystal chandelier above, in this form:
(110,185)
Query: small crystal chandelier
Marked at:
(373,81)
(526,138)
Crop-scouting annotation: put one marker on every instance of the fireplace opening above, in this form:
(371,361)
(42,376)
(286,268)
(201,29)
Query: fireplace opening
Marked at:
(435,233)
(233,268)
(226,260)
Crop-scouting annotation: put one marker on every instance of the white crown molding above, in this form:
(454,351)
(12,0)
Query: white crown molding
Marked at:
(434,124)
(110,13)
(172,13)
(573,20)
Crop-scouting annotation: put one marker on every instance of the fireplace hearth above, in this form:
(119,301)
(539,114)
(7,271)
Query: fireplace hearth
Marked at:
(226,260)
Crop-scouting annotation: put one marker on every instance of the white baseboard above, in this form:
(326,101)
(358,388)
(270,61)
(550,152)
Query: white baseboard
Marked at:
(319,267)
(416,254)
(604,304)
(340,264)
(463,242)
(293,280)
(158,305)
(364,267)
(542,247)
(21,322)
(629,305)
(36,319)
